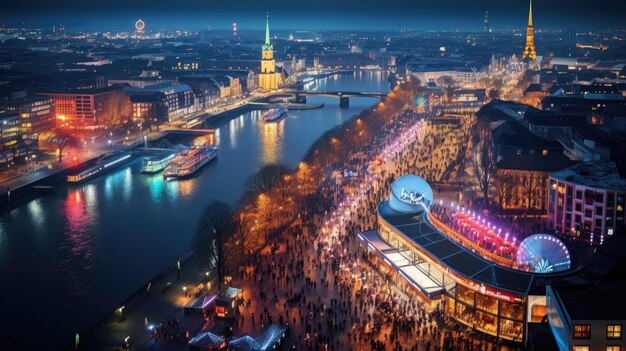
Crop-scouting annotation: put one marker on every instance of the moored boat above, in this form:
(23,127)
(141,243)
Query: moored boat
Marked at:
(98,169)
(274,114)
(188,162)
(156,164)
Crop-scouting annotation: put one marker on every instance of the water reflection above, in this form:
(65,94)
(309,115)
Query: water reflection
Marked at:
(77,248)
(37,216)
(272,135)
(235,126)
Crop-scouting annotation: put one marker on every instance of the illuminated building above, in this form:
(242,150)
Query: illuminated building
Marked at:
(586,201)
(478,288)
(164,102)
(529,50)
(36,115)
(268,78)
(90,108)
(9,133)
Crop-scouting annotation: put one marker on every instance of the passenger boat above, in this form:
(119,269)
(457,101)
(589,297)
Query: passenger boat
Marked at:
(156,164)
(187,162)
(98,169)
(274,114)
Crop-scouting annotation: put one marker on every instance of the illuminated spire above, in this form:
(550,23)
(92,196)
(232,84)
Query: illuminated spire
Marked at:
(267,30)
(530,14)
(529,49)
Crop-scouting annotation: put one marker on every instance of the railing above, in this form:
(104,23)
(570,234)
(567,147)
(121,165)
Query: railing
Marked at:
(454,235)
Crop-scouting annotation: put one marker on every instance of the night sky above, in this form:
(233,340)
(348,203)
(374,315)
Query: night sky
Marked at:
(320,14)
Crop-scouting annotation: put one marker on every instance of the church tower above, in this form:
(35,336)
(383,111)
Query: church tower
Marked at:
(268,79)
(529,51)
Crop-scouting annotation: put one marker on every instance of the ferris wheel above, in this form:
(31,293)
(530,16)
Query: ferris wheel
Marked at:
(543,253)
(140,25)
(421,103)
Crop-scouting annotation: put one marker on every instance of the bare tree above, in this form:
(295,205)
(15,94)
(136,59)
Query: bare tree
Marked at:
(504,186)
(483,161)
(266,178)
(244,237)
(213,238)
(530,183)
(448,82)
(61,140)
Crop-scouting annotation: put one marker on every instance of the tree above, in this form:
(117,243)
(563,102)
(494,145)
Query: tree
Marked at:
(61,139)
(266,178)
(448,82)
(483,161)
(505,184)
(242,221)
(213,239)
(530,183)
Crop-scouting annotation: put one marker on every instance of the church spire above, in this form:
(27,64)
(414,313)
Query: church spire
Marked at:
(530,14)
(529,49)
(267,30)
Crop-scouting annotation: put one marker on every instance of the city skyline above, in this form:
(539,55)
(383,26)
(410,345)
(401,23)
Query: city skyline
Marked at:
(419,15)
(286,175)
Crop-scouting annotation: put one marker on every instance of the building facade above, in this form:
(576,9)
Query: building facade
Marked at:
(586,201)
(91,108)
(36,115)
(163,102)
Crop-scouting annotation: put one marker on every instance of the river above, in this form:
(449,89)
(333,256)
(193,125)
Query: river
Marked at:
(67,260)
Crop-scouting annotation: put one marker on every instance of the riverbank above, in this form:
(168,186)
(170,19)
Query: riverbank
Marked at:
(94,244)
(303,182)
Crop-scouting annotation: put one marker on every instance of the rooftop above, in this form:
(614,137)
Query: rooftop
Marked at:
(601,175)
(551,162)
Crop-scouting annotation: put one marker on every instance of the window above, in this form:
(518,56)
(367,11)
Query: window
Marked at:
(582,331)
(613,348)
(581,348)
(614,331)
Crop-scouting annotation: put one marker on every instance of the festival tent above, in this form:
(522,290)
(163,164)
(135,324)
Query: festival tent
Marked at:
(268,340)
(202,305)
(206,341)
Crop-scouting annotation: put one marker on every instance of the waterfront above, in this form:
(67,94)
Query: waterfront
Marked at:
(74,256)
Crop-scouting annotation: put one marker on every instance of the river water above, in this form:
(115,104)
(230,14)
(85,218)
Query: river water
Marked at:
(68,260)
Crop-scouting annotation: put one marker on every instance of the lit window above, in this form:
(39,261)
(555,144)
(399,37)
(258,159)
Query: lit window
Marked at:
(545,152)
(582,331)
(614,331)
(581,348)
(613,348)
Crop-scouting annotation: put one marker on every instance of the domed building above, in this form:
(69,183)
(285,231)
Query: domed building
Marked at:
(410,194)
(476,288)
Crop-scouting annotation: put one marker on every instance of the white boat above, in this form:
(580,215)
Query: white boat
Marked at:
(187,162)
(96,170)
(274,114)
(156,164)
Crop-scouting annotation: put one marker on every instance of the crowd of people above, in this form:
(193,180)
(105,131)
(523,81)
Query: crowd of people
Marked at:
(320,281)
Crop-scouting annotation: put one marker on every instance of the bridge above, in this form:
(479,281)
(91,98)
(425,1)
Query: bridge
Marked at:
(344,96)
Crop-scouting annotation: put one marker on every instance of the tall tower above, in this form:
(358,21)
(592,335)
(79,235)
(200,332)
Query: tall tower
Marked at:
(268,79)
(486,22)
(529,51)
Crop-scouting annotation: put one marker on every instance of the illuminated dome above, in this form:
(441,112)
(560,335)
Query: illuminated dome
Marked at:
(543,253)
(410,194)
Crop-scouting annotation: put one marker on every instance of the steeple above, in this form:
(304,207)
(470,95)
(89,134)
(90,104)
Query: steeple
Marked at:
(529,49)
(267,32)
(530,14)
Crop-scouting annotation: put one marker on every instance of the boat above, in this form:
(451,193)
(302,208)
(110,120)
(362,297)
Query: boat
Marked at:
(274,115)
(189,161)
(156,164)
(98,169)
